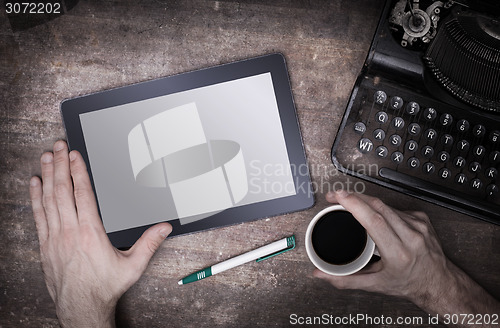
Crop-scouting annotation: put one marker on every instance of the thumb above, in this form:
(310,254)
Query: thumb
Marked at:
(145,247)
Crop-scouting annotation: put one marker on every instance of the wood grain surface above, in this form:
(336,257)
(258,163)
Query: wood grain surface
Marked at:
(104,44)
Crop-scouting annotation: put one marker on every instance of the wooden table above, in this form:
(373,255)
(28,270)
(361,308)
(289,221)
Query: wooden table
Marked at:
(104,44)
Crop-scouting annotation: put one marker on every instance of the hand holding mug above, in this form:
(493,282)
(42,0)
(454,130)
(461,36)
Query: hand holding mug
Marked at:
(412,263)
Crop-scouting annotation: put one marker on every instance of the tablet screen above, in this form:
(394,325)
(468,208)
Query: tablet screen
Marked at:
(188,155)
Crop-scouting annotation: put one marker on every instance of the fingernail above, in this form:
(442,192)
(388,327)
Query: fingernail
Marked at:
(47,158)
(34,181)
(72,156)
(164,232)
(330,194)
(341,193)
(58,146)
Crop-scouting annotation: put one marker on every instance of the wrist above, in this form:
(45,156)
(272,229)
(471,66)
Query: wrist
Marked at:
(96,320)
(91,313)
(454,292)
(441,288)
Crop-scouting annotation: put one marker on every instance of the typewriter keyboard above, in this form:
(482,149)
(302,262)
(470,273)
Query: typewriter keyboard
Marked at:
(423,147)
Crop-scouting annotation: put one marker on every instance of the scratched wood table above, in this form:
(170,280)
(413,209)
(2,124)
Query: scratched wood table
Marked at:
(99,45)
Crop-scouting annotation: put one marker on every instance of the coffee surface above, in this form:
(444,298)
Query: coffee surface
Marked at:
(338,238)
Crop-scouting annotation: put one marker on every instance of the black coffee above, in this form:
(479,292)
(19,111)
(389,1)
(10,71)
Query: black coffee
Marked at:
(338,238)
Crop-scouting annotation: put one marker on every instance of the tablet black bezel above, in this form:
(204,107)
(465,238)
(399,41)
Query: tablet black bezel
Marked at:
(275,64)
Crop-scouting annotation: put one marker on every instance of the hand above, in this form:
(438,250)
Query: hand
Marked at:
(412,263)
(407,244)
(84,273)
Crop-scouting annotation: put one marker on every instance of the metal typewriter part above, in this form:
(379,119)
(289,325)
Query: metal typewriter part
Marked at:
(416,25)
(474,41)
(463,54)
(422,117)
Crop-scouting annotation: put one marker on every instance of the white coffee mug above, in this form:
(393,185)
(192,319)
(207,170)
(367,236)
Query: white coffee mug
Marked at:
(338,270)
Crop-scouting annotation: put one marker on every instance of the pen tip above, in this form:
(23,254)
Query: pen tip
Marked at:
(180,282)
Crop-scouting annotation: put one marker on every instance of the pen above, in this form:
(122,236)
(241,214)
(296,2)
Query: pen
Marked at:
(259,254)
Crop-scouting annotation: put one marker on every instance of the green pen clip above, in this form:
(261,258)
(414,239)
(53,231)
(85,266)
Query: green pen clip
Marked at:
(290,243)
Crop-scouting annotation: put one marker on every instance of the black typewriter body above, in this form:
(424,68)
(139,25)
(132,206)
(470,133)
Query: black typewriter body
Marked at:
(424,115)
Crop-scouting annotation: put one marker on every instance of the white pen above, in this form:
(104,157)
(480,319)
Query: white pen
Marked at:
(259,254)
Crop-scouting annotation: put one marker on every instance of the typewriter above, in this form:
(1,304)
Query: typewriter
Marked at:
(424,114)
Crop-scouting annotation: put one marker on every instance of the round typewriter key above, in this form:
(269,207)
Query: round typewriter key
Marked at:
(381,117)
(379,134)
(397,157)
(476,184)
(463,125)
(395,140)
(398,123)
(461,178)
(430,114)
(380,97)
(382,151)
(475,167)
(428,168)
(463,145)
(359,127)
(447,140)
(427,151)
(396,102)
(365,145)
(443,156)
(444,173)
(430,134)
(495,157)
(412,108)
(446,119)
(479,151)
(459,161)
(413,162)
(491,173)
(495,137)
(414,129)
(411,146)
(479,130)
(492,190)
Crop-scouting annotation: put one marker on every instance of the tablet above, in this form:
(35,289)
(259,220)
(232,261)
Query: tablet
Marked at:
(202,149)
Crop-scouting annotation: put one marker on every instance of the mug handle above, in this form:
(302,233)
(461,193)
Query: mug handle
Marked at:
(375,257)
